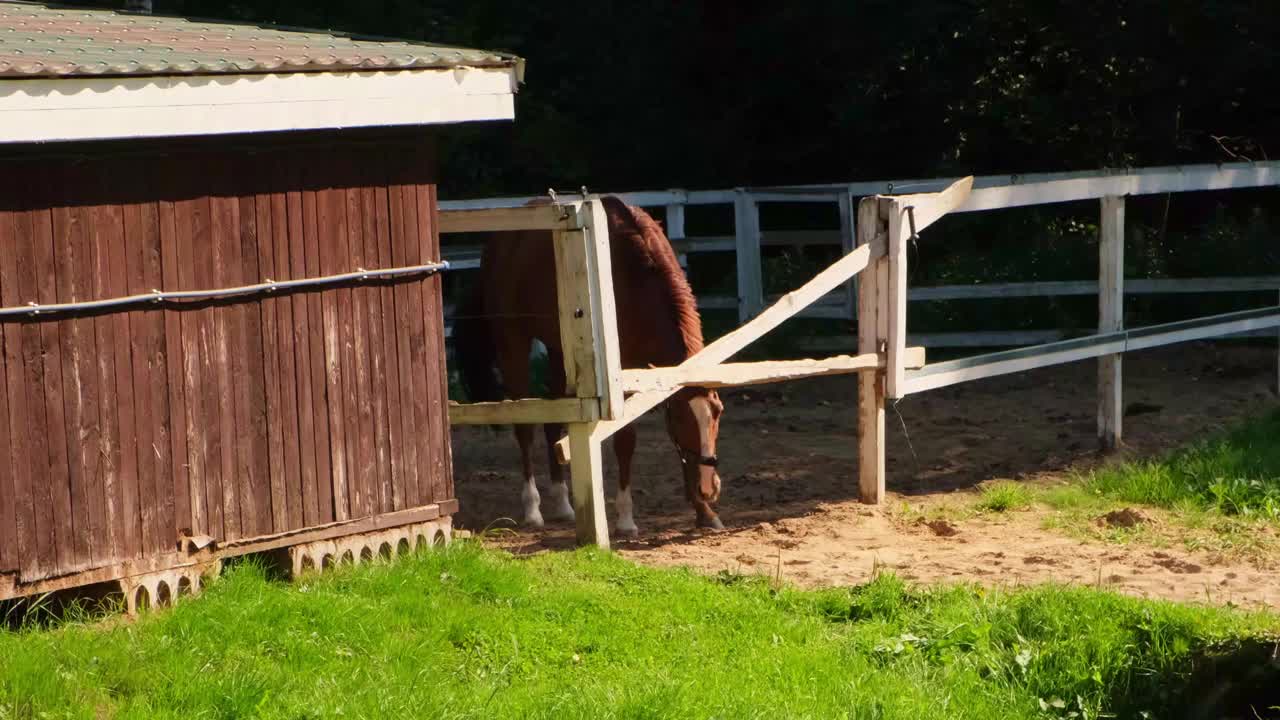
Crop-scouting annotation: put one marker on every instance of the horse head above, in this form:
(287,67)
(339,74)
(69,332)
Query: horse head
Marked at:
(693,422)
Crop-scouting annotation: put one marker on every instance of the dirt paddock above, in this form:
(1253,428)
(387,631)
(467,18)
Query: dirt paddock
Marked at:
(788,460)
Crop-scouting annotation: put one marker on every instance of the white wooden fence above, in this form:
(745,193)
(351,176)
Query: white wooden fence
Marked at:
(990,192)
(875,232)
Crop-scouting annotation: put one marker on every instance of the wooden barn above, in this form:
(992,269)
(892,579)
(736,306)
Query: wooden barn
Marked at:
(221,301)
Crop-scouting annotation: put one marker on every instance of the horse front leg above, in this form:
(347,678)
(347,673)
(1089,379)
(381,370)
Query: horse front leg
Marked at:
(624,447)
(514,362)
(529,496)
(561,505)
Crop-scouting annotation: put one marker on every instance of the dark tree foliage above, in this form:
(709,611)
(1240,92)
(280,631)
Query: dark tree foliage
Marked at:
(626,94)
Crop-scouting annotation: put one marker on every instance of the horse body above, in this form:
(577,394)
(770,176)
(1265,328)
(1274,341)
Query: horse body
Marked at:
(658,325)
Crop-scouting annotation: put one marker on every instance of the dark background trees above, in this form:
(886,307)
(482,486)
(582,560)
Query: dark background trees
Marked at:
(626,95)
(717,93)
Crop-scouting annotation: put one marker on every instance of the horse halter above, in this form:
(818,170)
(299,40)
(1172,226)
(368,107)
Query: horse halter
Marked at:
(688,457)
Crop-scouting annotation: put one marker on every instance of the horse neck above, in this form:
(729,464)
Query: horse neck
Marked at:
(653,324)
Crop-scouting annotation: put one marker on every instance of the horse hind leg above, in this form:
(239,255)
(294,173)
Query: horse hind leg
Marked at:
(624,448)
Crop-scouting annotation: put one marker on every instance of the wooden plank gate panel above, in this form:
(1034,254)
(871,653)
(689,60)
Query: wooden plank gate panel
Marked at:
(123,432)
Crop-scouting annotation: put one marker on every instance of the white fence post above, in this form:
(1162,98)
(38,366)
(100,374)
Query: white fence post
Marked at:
(746,231)
(675,230)
(848,241)
(1110,319)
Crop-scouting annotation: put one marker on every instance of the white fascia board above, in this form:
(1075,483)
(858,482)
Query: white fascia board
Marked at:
(80,108)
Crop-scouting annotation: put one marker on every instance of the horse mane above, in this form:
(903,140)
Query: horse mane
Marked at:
(654,252)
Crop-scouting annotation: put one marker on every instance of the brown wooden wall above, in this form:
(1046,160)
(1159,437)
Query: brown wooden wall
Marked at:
(122,431)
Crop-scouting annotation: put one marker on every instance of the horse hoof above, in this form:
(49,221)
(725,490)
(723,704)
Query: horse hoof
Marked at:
(712,524)
(628,531)
(534,522)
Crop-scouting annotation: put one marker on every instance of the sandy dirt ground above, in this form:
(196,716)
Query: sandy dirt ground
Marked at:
(788,460)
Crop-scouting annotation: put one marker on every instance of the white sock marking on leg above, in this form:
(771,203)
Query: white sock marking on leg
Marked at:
(562,507)
(622,502)
(532,501)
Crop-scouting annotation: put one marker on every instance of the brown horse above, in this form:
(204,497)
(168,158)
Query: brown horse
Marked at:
(658,325)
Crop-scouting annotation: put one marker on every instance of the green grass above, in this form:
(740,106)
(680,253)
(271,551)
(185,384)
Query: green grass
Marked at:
(475,633)
(1004,496)
(1235,473)
(1221,495)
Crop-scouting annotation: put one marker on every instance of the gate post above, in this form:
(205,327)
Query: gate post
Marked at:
(872,292)
(589,335)
(1110,319)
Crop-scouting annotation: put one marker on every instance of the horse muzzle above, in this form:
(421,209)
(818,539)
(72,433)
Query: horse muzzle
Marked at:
(709,484)
(708,478)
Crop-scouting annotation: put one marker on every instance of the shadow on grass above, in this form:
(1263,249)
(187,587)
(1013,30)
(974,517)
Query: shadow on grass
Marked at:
(1238,679)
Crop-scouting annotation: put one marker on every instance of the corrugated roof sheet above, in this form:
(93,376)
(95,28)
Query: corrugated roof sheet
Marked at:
(38,40)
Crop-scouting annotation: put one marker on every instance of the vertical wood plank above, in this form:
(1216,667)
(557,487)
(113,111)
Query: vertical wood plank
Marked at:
(286,334)
(1110,319)
(347,301)
(443,379)
(365,476)
(573,293)
(188,515)
(419,345)
(195,246)
(73,255)
(15,489)
(140,496)
(604,312)
(382,351)
(115,330)
(871,431)
(57,482)
(328,230)
(404,350)
(896,295)
(315,323)
(351,431)
(586,468)
(436,387)
(39,556)
(254,458)
(223,230)
(746,224)
(152,364)
(301,327)
(271,350)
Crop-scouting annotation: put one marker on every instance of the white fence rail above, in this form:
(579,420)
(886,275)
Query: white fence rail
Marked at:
(990,192)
